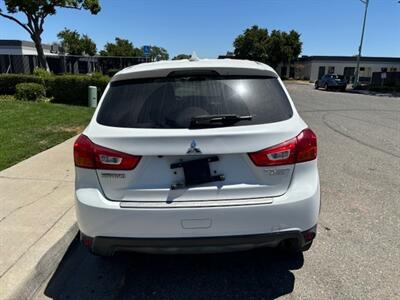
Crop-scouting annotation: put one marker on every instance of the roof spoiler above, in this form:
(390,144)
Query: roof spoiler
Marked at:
(188,73)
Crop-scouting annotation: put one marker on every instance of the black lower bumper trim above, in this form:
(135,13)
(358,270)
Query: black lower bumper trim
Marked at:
(109,245)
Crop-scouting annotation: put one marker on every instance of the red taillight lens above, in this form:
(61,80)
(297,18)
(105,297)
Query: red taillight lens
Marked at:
(306,146)
(282,154)
(83,153)
(92,156)
(299,149)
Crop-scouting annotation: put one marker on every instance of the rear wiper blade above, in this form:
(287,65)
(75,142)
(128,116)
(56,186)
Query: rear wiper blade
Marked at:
(213,120)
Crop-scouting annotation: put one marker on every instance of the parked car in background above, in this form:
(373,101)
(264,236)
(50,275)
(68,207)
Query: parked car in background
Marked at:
(196,156)
(332,82)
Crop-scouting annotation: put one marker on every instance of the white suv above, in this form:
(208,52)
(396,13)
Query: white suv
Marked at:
(196,156)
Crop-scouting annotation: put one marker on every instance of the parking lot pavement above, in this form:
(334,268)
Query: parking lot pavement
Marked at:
(357,251)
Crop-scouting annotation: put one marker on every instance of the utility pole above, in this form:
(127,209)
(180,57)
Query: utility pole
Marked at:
(357,74)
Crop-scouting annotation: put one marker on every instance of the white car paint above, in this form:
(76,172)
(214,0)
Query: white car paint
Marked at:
(140,203)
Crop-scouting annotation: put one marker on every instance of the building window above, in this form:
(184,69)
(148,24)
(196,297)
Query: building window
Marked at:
(331,70)
(321,71)
(365,73)
(348,73)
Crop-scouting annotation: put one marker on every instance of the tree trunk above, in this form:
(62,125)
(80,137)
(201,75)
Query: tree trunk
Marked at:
(39,48)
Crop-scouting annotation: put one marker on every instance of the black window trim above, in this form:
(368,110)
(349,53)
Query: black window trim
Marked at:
(175,78)
(130,81)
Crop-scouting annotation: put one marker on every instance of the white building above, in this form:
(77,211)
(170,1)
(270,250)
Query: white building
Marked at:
(314,67)
(21,57)
(17,47)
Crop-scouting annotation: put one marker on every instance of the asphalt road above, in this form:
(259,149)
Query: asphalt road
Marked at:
(357,251)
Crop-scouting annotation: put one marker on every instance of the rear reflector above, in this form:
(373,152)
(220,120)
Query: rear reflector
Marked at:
(91,156)
(86,241)
(299,149)
(310,234)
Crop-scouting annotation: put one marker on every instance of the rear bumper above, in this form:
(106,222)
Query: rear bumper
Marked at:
(294,212)
(109,245)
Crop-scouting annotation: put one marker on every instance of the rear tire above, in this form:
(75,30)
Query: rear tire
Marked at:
(103,255)
(316,86)
(306,247)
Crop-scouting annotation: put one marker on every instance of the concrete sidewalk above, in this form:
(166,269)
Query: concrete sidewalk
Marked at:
(37,219)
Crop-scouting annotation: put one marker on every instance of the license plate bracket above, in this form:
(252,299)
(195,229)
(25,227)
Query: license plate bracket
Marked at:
(197,171)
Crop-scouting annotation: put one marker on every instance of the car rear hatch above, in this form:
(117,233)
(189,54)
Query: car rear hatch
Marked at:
(153,120)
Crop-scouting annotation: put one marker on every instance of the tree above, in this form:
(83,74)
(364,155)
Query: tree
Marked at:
(181,56)
(278,47)
(88,45)
(37,11)
(158,53)
(295,44)
(121,47)
(252,44)
(283,47)
(75,44)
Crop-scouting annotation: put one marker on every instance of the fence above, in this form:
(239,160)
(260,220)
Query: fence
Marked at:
(391,79)
(68,63)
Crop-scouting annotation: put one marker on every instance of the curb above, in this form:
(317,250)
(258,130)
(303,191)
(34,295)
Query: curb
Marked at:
(370,93)
(39,263)
(299,82)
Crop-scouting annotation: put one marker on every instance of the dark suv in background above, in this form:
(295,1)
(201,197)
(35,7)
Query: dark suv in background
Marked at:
(332,82)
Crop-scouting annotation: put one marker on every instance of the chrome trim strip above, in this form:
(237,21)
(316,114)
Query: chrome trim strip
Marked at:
(194,204)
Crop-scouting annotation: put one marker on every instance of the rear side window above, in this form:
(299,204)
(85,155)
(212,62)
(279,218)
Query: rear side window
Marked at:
(173,102)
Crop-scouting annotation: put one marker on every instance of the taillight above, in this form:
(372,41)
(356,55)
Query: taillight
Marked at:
(306,146)
(299,149)
(92,156)
(282,154)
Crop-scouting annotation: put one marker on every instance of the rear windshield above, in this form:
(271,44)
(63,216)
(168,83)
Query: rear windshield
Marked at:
(173,102)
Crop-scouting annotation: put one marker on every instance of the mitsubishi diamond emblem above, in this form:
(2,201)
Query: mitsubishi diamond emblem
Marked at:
(193,148)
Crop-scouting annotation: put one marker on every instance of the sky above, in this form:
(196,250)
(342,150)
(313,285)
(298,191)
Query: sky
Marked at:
(209,27)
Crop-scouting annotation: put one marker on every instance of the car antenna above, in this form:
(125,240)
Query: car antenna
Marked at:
(194,57)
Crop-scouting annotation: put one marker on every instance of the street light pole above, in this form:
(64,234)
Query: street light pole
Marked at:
(357,74)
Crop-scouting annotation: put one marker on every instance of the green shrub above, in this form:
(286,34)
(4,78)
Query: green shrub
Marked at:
(9,81)
(29,91)
(42,73)
(73,89)
(6,98)
(98,75)
(361,87)
(112,72)
(68,89)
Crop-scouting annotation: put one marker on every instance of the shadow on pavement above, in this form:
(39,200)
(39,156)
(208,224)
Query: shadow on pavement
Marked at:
(261,273)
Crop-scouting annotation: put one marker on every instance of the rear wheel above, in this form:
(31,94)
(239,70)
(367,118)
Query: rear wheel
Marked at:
(102,253)
(306,247)
(316,85)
